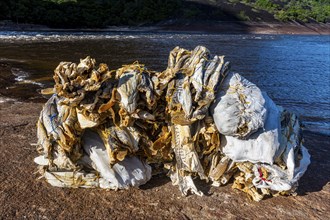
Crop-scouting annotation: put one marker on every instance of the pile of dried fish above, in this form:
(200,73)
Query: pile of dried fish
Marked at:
(196,119)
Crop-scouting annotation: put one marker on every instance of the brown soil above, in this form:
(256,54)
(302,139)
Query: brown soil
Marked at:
(23,196)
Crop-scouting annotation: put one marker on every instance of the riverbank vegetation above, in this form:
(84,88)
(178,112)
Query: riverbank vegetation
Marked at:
(103,13)
(292,10)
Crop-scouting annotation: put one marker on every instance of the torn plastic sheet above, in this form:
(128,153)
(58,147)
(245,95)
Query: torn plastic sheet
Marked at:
(123,174)
(262,146)
(282,176)
(113,128)
(240,107)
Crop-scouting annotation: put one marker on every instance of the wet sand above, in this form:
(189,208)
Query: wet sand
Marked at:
(23,196)
(9,89)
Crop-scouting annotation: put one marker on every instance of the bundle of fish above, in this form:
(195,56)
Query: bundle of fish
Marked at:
(115,129)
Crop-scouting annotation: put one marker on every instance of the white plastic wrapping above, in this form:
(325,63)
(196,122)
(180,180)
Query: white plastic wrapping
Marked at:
(280,179)
(276,150)
(261,146)
(85,122)
(71,179)
(99,128)
(129,172)
(239,109)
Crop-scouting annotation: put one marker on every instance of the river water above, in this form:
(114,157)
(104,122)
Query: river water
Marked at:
(293,70)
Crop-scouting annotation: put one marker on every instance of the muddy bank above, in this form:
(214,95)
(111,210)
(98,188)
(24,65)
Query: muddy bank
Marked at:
(23,196)
(12,89)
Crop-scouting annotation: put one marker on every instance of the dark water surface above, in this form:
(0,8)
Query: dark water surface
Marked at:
(293,70)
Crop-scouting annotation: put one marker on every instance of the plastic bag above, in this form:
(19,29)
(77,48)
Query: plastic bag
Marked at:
(129,172)
(262,146)
(281,179)
(292,160)
(239,109)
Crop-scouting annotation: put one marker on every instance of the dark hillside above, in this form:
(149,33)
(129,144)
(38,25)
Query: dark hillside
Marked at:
(225,11)
(104,13)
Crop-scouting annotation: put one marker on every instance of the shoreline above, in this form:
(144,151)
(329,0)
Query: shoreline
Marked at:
(213,27)
(271,28)
(12,91)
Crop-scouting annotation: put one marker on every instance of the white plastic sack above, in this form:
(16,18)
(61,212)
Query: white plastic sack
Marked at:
(303,164)
(239,108)
(129,172)
(277,179)
(280,179)
(291,153)
(262,146)
(292,143)
(50,115)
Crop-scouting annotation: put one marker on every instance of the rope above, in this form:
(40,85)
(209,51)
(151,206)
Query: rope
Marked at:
(52,117)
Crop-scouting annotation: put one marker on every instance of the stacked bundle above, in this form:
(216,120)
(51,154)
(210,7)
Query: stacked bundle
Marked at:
(262,139)
(112,129)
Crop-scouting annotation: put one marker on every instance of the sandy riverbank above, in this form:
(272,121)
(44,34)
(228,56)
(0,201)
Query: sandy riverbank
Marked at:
(22,196)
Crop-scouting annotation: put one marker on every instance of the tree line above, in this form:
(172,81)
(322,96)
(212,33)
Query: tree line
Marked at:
(292,10)
(87,13)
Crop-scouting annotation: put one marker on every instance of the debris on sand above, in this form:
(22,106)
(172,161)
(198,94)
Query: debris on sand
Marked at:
(113,129)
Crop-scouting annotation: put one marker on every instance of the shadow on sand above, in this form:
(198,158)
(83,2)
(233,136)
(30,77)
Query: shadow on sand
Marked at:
(317,174)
